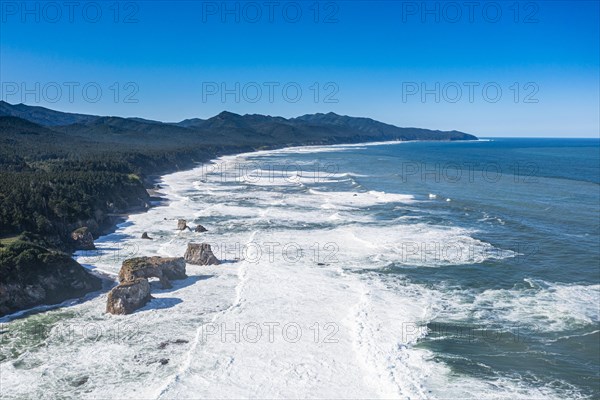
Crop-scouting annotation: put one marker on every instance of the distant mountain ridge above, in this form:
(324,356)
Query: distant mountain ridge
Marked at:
(328,128)
(41,115)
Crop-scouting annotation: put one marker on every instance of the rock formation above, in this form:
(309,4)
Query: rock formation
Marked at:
(128,296)
(133,291)
(200,254)
(83,239)
(43,276)
(200,228)
(145,236)
(181,224)
(163,268)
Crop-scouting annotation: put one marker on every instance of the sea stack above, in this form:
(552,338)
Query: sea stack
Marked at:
(163,268)
(200,228)
(200,254)
(128,296)
(133,291)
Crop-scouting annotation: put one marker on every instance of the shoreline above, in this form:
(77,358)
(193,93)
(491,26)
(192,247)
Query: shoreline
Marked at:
(157,198)
(369,308)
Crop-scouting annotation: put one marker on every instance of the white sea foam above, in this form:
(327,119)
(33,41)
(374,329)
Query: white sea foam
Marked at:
(385,328)
(545,307)
(358,199)
(298,261)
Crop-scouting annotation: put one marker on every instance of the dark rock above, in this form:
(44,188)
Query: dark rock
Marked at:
(79,381)
(163,345)
(200,254)
(200,228)
(181,224)
(82,239)
(163,268)
(128,296)
(163,361)
(145,236)
(31,275)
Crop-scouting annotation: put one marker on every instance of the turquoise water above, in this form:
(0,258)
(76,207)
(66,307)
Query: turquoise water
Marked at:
(530,314)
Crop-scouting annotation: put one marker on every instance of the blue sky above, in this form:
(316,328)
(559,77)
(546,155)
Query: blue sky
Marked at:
(492,69)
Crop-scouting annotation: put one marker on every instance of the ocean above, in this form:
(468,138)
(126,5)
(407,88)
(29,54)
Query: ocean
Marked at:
(386,270)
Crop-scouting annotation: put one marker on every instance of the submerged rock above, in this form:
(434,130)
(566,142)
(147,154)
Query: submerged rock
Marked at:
(128,296)
(163,268)
(200,228)
(83,239)
(181,224)
(79,381)
(200,254)
(163,345)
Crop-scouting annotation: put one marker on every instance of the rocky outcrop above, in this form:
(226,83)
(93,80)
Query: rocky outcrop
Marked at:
(82,239)
(31,275)
(200,228)
(145,236)
(200,254)
(128,296)
(181,224)
(163,268)
(133,291)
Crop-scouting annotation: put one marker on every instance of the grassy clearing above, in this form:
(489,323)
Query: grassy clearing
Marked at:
(7,240)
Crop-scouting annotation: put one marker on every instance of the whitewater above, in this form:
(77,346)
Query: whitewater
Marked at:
(302,305)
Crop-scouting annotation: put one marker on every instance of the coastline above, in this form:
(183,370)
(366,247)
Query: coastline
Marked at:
(357,300)
(152,185)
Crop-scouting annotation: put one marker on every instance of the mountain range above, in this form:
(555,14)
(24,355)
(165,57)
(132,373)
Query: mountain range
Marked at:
(224,128)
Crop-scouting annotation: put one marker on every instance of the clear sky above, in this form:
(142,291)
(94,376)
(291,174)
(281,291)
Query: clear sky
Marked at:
(491,68)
